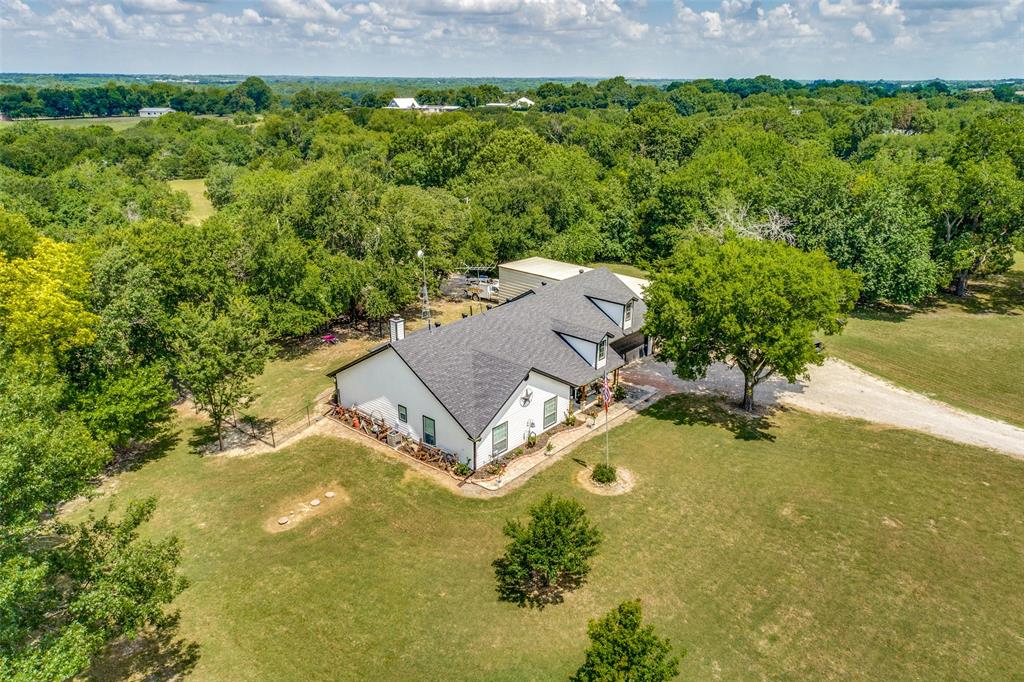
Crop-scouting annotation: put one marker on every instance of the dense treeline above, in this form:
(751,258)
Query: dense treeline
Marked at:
(116,99)
(113,98)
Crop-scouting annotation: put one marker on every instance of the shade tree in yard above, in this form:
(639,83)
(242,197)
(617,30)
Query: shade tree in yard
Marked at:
(751,303)
(218,353)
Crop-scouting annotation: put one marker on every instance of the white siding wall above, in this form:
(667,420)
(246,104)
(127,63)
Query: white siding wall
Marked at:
(519,416)
(585,348)
(613,310)
(380,383)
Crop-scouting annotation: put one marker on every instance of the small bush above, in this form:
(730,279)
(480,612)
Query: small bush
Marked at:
(570,417)
(462,469)
(619,392)
(623,648)
(532,440)
(549,447)
(603,474)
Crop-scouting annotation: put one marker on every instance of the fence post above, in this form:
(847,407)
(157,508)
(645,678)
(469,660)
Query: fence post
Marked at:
(273,440)
(307,414)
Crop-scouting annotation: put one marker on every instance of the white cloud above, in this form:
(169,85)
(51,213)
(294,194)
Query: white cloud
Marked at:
(861,30)
(158,6)
(501,36)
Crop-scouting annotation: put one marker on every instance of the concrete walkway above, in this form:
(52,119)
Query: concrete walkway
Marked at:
(838,388)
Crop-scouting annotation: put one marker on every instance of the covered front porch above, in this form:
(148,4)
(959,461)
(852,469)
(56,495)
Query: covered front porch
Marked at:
(589,395)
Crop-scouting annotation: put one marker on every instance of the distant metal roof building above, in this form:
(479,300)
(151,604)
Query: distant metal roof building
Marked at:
(554,270)
(149,112)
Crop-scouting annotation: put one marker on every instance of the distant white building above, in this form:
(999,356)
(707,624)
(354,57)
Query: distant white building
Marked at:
(438,108)
(523,103)
(153,112)
(404,103)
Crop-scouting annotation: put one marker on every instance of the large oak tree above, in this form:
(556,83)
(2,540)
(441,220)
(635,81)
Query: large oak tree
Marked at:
(751,303)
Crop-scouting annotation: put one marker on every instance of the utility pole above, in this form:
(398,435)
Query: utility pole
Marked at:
(426,294)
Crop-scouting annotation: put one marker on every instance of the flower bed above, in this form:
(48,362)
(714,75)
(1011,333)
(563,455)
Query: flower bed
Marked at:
(497,466)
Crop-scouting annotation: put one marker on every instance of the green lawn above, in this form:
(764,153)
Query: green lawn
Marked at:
(968,353)
(623,269)
(115,122)
(196,190)
(299,371)
(808,548)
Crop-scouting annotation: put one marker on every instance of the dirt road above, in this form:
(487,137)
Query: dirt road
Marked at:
(841,389)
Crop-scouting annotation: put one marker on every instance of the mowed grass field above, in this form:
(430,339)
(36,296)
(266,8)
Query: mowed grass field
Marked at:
(115,122)
(804,548)
(965,352)
(196,190)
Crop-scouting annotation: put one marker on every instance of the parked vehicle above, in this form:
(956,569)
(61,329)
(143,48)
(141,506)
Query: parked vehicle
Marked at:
(484,290)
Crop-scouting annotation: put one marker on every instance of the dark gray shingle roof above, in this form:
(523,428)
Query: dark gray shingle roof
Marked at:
(475,364)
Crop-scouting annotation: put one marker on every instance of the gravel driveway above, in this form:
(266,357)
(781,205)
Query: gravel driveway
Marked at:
(841,389)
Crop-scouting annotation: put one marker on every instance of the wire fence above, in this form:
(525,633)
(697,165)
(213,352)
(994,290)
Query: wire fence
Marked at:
(274,432)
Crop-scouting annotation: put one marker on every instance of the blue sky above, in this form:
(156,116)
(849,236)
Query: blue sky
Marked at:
(864,39)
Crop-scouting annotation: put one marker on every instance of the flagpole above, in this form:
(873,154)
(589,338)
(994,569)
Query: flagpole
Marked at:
(607,393)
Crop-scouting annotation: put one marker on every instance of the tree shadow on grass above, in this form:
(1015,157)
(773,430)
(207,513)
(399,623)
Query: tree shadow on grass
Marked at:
(156,654)
(683,408)
(998,294)
(534,591)
(134,457)
(1001,294)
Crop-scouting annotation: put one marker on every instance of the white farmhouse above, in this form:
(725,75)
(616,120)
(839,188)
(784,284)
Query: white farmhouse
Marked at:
(480,387)
(403,103)
(154,112)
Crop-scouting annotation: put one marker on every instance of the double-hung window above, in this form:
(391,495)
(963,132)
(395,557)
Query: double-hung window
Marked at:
(627,319)
(429,436)
(499,439)
(550,412)
(403,414)
(602,351)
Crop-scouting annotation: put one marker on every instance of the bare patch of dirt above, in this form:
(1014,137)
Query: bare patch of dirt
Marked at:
(625,481)
(314,503)
(415,476)
(891,523)
(790,513)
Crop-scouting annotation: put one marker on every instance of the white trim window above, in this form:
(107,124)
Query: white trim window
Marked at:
(627,317)
(499,439)
(550,412)
(602,352)
(429,431)
(403,414)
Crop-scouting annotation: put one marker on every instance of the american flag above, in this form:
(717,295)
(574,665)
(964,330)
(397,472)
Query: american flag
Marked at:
(606,393)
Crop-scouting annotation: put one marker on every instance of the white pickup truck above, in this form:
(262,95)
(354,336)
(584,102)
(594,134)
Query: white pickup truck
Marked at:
(484,290)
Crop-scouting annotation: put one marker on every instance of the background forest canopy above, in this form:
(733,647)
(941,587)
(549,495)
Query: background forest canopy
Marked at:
(323,203)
